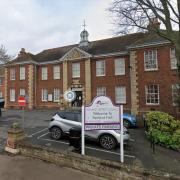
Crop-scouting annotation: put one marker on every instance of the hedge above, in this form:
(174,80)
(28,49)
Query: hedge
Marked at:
(164,129)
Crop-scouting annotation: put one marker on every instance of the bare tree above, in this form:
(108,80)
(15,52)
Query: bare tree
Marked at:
(135,15)
(4,57)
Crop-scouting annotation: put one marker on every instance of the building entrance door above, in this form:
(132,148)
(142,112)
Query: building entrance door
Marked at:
(78,101)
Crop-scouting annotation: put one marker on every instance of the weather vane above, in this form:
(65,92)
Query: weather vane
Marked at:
(84,25)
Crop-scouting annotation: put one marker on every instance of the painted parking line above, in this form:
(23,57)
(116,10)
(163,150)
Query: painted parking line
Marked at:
(43,135)
(101,150)
(37,132)
(51,140)
(87,147)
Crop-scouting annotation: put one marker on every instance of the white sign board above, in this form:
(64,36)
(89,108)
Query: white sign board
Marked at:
(102,114)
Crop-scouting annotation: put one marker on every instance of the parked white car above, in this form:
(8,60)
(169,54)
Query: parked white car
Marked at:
(63,121)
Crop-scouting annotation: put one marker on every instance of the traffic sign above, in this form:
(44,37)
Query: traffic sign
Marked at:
(22,101)
(69,96)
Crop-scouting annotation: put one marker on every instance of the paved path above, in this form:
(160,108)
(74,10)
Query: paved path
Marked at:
(22,168)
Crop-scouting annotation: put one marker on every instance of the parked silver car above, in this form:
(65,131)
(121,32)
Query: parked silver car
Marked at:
(63,121)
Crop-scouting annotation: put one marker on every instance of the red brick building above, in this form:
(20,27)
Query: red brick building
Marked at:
(137,70)
(1,82)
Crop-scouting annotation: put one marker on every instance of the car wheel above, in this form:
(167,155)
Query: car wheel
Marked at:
(107,141)
(56,133)
(126,123)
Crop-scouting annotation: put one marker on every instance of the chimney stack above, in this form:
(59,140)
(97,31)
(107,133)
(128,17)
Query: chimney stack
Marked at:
(22,52)
(154,24)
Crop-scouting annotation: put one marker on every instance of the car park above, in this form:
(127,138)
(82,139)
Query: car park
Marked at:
(63,121)
(129,120)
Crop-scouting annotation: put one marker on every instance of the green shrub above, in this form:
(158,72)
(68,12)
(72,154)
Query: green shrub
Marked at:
(164,129)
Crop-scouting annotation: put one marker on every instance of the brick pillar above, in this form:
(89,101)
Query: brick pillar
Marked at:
(65,82)
(6,88)
(134,83)
(88,81)
(15,135)
(31,86)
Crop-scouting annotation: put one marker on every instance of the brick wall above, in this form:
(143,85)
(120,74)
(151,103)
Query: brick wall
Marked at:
(164,76)
(110,81)
(16,84)
(48,84)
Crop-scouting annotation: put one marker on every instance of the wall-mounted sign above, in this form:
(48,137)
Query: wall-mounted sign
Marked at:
(69,96)
(102,114)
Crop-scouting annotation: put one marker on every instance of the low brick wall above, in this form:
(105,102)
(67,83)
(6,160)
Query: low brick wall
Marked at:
(98,167)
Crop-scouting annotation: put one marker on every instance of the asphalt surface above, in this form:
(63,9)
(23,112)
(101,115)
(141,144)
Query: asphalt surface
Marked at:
(137,153)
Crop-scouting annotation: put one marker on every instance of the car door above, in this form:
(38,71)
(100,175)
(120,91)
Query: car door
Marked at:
(69,121)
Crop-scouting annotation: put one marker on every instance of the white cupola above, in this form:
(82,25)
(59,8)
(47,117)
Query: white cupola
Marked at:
(84,37)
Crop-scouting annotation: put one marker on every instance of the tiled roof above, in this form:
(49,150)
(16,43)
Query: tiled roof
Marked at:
(99,47)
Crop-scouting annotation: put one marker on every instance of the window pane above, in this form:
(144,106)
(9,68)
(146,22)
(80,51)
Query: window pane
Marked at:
(173,59)
(22,92)
(75,70)
(175,94)
(44,73)
(120,93)
(152,94)
(44,95)
(100,68)
(12,95)
(12,74)
(22,73)
(120,66)
(56,95)
(150,60)
(56,70)
(101,91)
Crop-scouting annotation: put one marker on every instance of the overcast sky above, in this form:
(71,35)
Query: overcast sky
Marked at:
(41,24)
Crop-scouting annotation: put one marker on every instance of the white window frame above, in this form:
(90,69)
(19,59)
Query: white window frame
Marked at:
(173,59)
(149,57)
(175,89)
(22,72)
(100,68)
(44,95)
(120,94)
(12,73)
(150,93)
(56,72)
(22,92)
(119,66)
(12,95)
(56,95)
(76,70)
(101,91)
(44,71)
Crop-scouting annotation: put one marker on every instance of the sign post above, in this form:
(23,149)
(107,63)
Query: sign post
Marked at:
(121,129)
(22,103)
(103,115)
(82,134)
